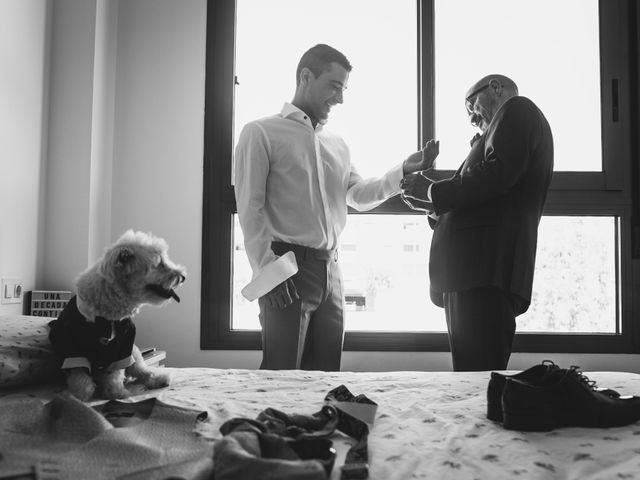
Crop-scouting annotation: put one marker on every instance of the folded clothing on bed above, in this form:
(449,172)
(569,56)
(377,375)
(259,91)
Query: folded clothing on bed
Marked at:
(65,438)
(296,447)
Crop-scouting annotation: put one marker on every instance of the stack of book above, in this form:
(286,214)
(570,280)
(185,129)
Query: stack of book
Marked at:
(153,357)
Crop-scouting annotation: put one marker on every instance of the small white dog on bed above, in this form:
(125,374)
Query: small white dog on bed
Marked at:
(94,335)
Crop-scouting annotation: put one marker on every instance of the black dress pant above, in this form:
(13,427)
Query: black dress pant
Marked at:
(308,334)
(481,324)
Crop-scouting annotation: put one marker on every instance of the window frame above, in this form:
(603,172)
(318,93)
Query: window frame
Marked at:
(614,191)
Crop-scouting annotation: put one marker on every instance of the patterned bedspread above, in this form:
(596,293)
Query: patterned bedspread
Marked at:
(428,424)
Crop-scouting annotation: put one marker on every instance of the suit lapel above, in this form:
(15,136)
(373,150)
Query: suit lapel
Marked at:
(476,155)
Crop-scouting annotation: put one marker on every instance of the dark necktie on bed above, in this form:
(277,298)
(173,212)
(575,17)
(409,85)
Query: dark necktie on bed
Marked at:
(354,412)
(302,437)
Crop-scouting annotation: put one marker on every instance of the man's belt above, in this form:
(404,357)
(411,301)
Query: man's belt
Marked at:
(303,253)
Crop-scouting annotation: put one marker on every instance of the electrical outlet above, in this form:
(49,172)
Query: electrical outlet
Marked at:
(12,290)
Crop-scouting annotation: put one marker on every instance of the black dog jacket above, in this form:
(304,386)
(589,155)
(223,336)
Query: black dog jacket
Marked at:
(99,345)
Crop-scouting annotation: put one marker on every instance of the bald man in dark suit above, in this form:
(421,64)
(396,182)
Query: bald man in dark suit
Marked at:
(485,220)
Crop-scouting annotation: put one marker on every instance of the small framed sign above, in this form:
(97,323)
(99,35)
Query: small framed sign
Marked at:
(49,303)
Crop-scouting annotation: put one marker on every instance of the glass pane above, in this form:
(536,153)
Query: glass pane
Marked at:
(378,119)
(245,313)
(384,261)
(574,287)
(550,48)
(272,36)
(385,266)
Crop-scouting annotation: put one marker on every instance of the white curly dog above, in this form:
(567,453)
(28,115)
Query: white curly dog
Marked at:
(94,335)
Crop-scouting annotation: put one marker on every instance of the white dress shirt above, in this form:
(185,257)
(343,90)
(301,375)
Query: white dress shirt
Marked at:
(293,184)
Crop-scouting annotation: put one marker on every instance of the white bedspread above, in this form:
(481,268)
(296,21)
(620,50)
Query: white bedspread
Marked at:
(429,424)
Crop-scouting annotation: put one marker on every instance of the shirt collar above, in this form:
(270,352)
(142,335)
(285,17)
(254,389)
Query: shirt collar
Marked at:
(289,110)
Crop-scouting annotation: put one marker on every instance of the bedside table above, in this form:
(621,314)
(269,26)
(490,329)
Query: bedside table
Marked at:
(153,357)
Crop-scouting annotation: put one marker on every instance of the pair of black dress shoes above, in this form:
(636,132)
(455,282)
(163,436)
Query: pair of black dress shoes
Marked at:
(545,397)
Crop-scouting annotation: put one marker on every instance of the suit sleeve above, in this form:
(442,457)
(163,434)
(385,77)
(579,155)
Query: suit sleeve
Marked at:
(507,154)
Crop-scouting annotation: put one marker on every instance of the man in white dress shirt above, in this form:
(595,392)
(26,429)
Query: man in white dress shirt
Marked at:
(293,182)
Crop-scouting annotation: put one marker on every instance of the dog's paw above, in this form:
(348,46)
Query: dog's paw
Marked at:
(156,380)
(114,391)
(85,393)
(80,385)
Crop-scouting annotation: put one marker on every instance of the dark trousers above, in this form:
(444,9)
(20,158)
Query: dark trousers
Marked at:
(481,324)
(308,334)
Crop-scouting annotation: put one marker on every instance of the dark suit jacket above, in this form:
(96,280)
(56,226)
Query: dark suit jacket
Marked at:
(490,209)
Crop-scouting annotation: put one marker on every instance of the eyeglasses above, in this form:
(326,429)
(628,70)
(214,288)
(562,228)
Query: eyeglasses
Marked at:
(468,101)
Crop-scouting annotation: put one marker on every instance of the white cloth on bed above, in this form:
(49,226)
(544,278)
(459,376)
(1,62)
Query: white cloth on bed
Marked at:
(429,425)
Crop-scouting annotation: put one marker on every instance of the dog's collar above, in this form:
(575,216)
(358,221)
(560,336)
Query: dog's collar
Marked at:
(90,314)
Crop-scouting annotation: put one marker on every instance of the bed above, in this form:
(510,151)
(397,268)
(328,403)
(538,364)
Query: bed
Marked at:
(427,425)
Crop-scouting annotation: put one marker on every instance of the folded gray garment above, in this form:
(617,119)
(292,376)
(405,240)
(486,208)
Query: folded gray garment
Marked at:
(65,438)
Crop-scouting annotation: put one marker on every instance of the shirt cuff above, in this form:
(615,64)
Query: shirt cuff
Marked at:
(393,177)
(271,276)
(76,362)
(429,193)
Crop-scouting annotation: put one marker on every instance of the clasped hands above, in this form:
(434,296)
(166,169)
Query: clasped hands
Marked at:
(415,183)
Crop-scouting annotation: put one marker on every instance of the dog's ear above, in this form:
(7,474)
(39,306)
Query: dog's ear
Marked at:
(125,259)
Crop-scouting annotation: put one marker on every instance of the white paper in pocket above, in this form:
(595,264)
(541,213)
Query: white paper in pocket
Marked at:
(272,275)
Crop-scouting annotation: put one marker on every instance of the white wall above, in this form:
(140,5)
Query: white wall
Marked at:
(23,79)
(126,151)
(158,154)
(69,152)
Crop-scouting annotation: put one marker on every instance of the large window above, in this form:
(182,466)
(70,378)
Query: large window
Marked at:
(413,62)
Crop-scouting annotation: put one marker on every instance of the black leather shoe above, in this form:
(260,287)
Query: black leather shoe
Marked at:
(497,382)
(565,398)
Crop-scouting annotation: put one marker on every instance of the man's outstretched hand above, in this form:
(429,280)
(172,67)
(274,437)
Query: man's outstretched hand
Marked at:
(422,159)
